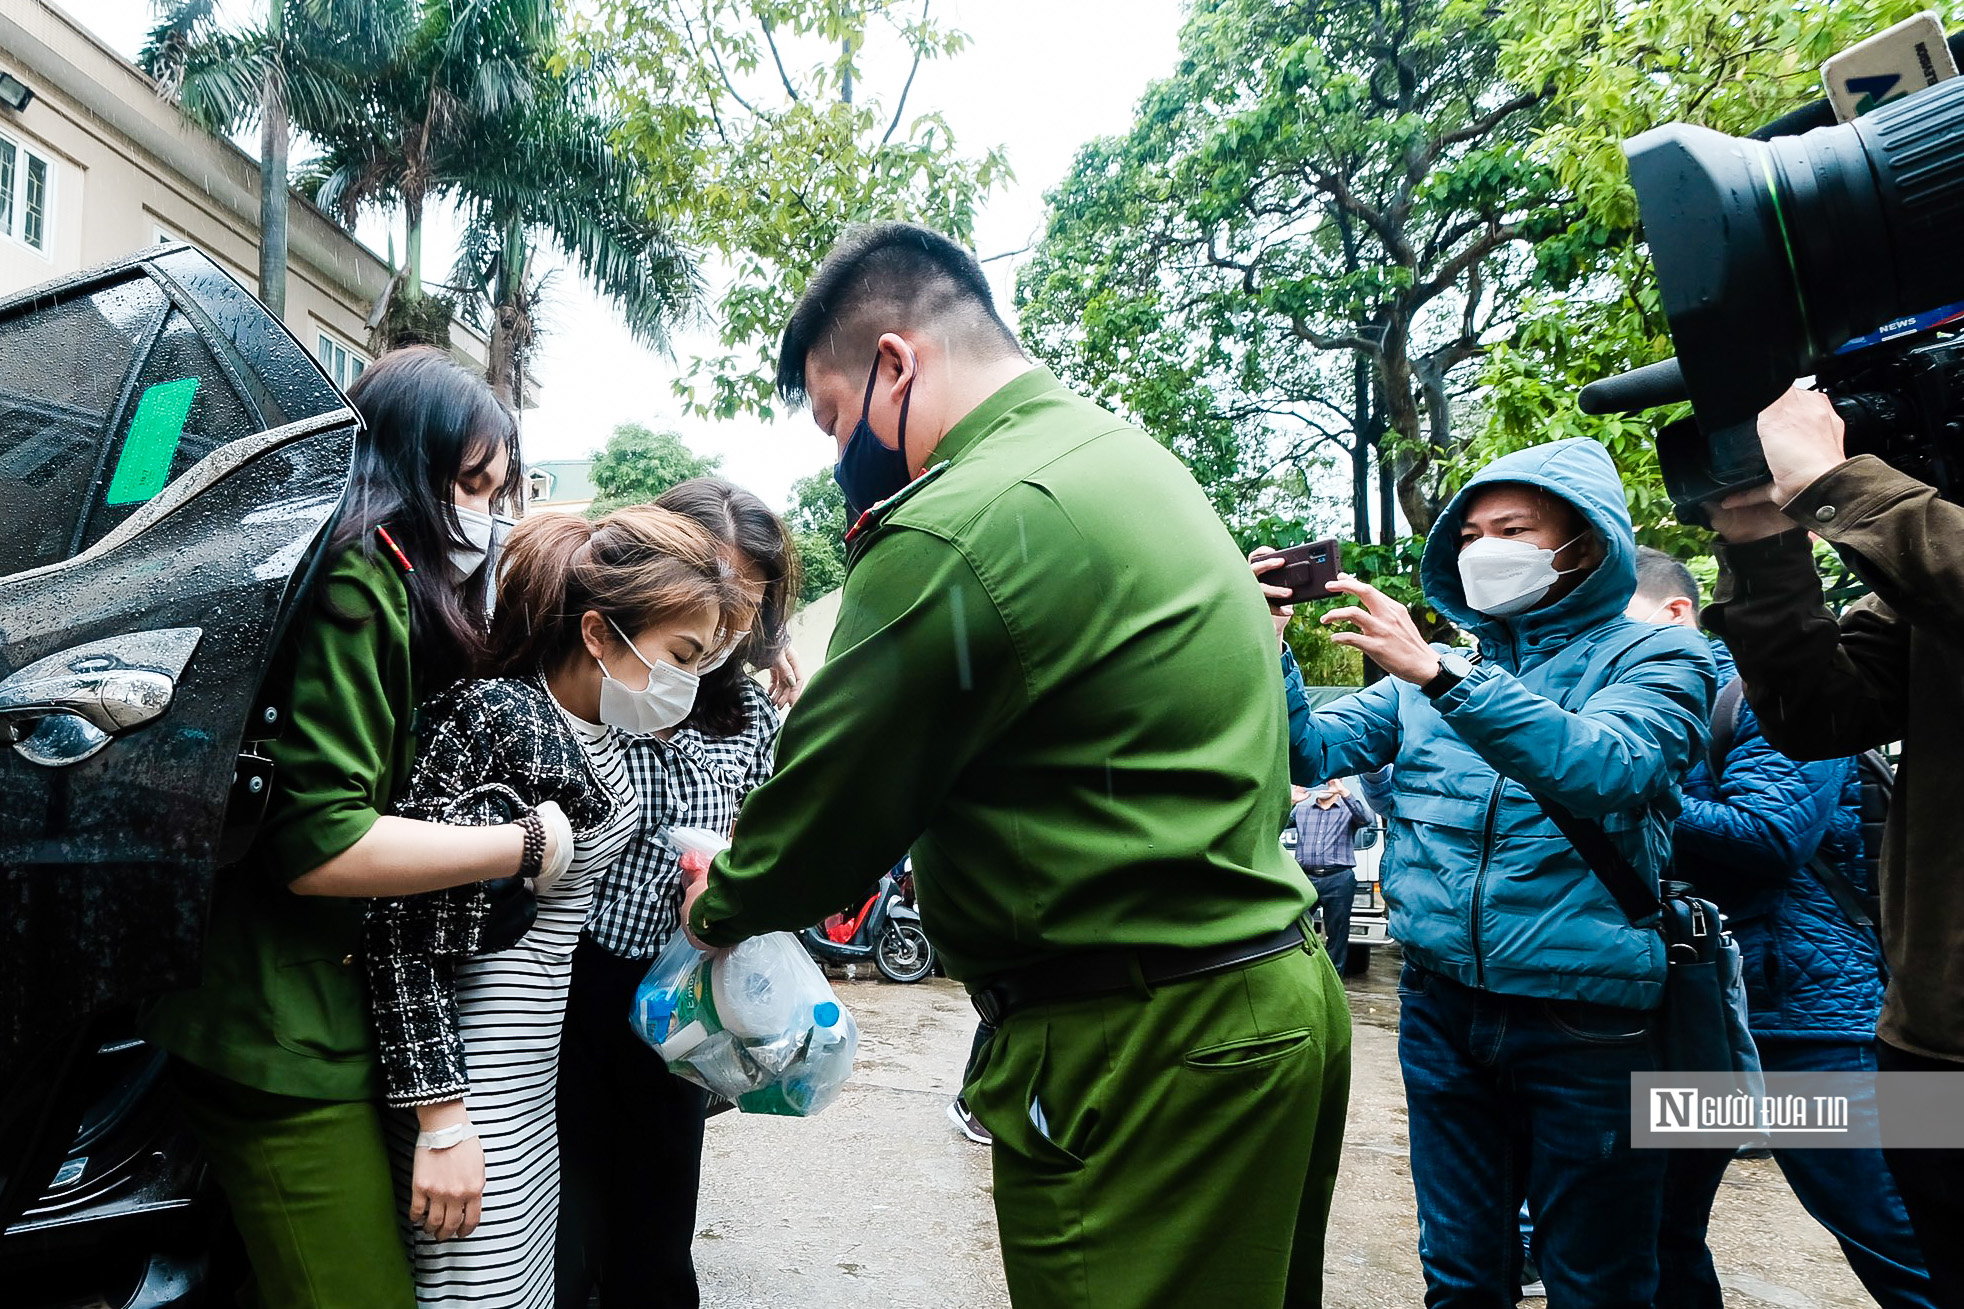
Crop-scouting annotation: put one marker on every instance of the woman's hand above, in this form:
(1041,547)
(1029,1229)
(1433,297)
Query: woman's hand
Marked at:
(559,846)
(1385,634)
(446,1187)
(787,680)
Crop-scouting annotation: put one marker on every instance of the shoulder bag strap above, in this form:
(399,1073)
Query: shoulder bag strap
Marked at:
(1623,882)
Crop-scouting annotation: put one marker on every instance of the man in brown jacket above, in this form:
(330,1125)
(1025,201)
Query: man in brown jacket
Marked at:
(1892,669)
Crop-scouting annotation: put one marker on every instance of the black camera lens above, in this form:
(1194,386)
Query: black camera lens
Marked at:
(1772,254)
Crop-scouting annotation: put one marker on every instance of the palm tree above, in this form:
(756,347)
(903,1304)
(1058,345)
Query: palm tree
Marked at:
(463,64)
(552,174)
(302,65)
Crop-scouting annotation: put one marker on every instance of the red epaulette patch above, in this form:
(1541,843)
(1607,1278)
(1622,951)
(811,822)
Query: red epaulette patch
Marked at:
(395,551)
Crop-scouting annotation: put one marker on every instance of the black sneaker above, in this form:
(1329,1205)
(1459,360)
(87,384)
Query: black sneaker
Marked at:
(967,1123)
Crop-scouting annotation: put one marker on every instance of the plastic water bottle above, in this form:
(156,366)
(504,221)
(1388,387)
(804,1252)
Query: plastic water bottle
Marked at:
(756,994)
(813,1080)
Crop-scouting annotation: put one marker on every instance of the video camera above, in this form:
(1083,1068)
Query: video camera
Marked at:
(1807,248)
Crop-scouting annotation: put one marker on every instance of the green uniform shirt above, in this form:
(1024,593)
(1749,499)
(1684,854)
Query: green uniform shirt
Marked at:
(281,1004)
(1054,679)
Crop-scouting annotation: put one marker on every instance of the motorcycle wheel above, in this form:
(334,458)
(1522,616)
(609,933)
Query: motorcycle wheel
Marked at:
(904,954)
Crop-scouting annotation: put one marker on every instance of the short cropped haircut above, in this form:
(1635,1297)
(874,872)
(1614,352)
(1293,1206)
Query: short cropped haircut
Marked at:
(1660,577)
(888,277)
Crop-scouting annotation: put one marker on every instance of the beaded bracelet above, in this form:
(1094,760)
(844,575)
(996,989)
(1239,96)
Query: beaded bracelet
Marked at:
(534,857)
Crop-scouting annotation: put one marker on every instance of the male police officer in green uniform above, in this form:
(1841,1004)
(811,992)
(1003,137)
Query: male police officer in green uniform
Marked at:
(1052,678)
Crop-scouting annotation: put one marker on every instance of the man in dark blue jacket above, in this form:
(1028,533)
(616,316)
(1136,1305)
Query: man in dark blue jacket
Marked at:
(1813,978)
(1526,1001)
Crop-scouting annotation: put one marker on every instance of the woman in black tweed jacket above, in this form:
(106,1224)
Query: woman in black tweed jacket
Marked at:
(599,626)
(489,752)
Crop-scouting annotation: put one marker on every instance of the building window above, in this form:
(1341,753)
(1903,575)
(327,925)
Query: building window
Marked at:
(26,194)
(343,363)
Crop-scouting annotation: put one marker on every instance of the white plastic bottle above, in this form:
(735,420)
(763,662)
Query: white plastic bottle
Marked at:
(759,993)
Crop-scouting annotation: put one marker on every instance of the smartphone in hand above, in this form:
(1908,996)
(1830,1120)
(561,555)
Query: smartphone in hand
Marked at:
(1308,570)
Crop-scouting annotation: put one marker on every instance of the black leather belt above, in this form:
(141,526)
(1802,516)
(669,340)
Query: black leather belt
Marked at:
(1103,972)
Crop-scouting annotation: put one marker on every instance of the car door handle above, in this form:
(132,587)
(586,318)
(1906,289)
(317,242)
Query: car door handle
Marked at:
(63,709)
(108,701)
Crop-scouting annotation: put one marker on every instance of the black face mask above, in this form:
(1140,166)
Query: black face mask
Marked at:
(868,472)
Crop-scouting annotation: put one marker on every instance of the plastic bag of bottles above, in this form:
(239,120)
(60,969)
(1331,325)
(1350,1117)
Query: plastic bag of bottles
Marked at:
(758,1025)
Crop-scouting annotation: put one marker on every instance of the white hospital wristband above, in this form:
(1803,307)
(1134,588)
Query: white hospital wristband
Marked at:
(445,1137)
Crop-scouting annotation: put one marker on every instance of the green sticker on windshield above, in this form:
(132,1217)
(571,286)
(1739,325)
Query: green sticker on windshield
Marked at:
(144,467)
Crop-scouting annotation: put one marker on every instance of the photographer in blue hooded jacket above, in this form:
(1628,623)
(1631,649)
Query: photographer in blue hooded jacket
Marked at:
(1753,821)
(1527,996)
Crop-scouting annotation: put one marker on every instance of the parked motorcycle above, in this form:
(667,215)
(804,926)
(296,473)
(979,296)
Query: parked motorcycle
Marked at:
(886,930)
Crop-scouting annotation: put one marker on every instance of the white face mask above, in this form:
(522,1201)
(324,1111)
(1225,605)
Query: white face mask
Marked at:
(1652,617)
(1503,578)
(664,702)
(479,528)
(731,643)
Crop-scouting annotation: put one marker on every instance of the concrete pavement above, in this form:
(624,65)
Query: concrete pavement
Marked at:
(879,1201)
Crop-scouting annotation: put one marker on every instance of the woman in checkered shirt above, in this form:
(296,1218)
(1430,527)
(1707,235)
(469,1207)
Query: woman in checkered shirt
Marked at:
(631,1131)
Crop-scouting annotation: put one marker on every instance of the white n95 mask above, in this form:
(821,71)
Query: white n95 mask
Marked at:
(1503,578)
(479,529)
(664,702)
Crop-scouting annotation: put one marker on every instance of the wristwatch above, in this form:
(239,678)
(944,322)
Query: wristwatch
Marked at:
(1453,669)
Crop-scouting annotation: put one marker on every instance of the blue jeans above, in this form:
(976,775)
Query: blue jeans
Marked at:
(1850,1192)
(1513,1098)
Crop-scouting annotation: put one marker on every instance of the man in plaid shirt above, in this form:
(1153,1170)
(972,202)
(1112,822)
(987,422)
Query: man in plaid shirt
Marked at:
(1327,820)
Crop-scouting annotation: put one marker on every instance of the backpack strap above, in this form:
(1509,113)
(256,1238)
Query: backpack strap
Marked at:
(1725,725)
(1848,898)
(1846,895)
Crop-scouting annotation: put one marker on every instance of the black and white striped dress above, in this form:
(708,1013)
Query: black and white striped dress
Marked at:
(511,1005)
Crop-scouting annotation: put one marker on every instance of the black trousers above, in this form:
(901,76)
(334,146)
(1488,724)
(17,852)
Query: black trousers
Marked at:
(1336,895)
(630,1151)
(1932,1183)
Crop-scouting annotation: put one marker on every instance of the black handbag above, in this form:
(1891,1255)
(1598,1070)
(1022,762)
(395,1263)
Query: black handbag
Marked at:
(1701,1026)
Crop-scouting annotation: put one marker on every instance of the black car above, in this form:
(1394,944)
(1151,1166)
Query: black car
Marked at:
(170,457)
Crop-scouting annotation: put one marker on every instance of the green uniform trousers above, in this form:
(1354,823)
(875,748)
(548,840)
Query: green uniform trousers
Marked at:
(1171,1148)
(308,1183)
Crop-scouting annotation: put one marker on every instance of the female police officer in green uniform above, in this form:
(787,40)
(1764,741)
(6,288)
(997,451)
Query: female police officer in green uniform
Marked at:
(271,1049)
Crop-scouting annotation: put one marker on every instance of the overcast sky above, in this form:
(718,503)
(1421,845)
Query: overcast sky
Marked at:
(1041,78)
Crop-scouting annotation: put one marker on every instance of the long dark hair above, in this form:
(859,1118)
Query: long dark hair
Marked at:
(637,567)
(430,423)
(744,524)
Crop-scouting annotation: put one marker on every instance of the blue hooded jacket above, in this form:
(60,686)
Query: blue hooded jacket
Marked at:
(1593,710)
(1744,840)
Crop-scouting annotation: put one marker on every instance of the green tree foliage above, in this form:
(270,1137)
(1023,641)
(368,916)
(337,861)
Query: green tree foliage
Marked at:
(817,519)
(297,64)
(1617,68)
(754,141)
(638,464)
(1315,226)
